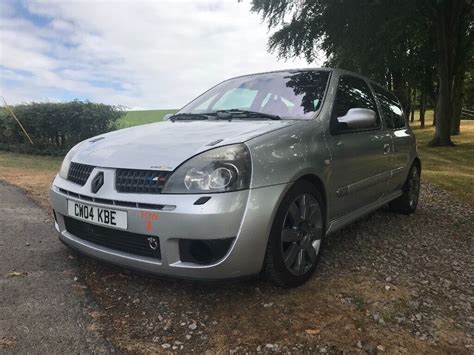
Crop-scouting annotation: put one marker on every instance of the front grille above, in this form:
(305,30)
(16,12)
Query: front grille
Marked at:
(79,173)
(132,243)
(140,181)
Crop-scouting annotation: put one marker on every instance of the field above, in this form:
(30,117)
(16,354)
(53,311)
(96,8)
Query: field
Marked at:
(135,118)
(451,168)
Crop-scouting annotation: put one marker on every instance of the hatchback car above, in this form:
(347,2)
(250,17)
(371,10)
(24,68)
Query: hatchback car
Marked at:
(246,179)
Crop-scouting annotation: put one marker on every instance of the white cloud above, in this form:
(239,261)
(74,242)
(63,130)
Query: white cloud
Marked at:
(134,53)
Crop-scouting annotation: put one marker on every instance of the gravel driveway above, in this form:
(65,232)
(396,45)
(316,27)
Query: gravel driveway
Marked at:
(388,283)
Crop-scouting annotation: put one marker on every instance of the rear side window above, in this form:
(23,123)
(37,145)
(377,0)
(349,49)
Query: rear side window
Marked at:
(390,107)
(351,92)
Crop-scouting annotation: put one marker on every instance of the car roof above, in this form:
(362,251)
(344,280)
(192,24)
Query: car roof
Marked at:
(282,71)
(291,70)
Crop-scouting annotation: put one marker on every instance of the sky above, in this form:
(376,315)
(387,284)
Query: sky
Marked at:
(144,54)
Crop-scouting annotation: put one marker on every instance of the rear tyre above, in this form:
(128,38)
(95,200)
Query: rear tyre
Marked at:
(294,245)
(407,203)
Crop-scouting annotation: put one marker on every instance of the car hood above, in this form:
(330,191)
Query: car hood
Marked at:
(165,145)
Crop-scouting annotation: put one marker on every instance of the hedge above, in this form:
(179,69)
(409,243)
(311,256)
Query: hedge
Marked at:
(55,127)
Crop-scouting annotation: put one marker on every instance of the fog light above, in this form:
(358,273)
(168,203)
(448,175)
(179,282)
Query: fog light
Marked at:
(203,251)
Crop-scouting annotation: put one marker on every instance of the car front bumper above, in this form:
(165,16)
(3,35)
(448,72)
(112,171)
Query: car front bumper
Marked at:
(246,216)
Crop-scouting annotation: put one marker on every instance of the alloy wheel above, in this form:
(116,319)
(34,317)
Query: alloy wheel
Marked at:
(301,234)
(414,187)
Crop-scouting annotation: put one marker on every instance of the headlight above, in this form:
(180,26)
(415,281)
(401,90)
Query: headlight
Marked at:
(221,169)
(64,170)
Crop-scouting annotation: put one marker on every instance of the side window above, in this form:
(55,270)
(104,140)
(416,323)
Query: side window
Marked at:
(390,107)
(352,93)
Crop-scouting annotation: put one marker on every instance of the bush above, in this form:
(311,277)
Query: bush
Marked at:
(55,127)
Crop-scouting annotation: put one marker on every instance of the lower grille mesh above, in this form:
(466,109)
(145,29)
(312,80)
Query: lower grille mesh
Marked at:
(127,242)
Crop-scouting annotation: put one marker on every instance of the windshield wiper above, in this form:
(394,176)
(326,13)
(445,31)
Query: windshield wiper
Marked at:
(223,115)
(188,116)
(247,114)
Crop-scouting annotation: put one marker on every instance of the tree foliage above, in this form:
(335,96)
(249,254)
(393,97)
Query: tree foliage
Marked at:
(423,45)
(55,127)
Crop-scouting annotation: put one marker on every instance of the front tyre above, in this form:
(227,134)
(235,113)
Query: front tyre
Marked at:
(295,238)
(407,203)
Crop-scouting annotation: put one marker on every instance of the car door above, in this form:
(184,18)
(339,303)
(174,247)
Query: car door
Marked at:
(402,137)
(360,158)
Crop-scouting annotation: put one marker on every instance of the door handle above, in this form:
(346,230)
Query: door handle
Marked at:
(386,148)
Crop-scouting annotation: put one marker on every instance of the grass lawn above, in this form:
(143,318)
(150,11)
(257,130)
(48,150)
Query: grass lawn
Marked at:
(10,160)
(135,118)
(451,168)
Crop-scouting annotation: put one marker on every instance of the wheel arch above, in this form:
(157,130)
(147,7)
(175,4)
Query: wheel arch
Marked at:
(319,184)
(417,162)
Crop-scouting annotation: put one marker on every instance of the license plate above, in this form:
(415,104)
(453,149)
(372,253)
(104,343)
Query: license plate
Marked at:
(98,215)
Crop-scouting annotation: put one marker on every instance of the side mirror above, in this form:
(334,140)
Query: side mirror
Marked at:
(359,118)
(167,116)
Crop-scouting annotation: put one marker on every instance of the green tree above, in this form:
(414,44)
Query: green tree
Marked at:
(453,29)
(398,43)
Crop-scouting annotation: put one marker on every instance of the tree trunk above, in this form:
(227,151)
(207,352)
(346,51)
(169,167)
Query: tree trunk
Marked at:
(422,109)
(400,90)
(412,102)
(458,92)
(443,112)
(446,53)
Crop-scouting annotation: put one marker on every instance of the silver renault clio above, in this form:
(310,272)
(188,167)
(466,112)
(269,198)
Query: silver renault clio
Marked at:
(246,179)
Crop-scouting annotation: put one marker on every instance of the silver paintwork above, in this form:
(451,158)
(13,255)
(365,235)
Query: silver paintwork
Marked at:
(359,118)
(165,145)
(357,174)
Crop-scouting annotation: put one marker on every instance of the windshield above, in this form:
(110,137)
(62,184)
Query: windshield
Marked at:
(297,94)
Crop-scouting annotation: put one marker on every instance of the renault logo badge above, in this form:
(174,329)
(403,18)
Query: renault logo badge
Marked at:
(97,182)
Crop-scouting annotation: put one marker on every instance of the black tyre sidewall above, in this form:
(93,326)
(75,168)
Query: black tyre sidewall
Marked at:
(402,204)
(407,191)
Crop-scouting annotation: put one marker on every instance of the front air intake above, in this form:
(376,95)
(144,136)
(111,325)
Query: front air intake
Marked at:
(127,242)
(203,251)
